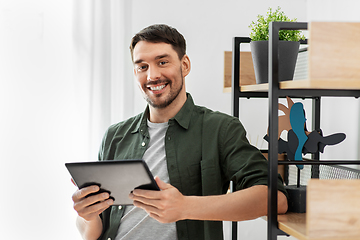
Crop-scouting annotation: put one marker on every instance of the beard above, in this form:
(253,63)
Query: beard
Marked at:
(174,93)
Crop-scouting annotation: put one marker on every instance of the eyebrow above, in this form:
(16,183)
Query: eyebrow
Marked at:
(162,56)
(156,58)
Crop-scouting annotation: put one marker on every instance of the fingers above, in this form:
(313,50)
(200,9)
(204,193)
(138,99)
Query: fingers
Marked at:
(147,207)
(149,197)
(90,206)
(141,202)
(162,185)
(152,209)
(148,194)
(82,193)
(91,200)
(142,198)
(89,212)
(165,206)
(153,212)
(163,210)
(153,202)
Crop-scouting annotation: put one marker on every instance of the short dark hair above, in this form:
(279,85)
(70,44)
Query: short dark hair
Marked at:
(159,33)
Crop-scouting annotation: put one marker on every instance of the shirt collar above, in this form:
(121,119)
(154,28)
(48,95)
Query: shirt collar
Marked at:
(182,117)
(141,125)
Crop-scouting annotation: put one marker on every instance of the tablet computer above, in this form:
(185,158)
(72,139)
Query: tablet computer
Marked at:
(117,177)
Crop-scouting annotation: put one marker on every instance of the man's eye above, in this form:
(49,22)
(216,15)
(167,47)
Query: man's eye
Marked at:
(141,68)
(162,63)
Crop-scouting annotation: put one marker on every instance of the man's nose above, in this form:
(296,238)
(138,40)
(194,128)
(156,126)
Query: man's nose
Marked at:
(153,74)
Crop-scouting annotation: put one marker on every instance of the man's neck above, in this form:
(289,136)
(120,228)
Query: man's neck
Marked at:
(160,115)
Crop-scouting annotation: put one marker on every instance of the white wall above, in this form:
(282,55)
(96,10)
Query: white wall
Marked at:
(333,10)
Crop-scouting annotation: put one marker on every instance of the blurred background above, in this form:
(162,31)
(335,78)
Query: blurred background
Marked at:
(66,75)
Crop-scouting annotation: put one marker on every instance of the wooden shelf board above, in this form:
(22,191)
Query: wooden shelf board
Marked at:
(338,84)
(293,224)
(227,89)
(307,84)
(255,88)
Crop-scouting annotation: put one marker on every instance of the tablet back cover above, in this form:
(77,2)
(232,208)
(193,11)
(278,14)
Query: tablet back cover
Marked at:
(118,178)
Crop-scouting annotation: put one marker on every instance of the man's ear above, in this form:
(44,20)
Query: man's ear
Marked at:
(185,65)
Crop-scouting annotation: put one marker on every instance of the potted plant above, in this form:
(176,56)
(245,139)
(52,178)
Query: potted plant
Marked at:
(288,46)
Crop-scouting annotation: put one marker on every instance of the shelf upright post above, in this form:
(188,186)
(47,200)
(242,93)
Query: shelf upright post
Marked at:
(316,105)
(235,92)
(235,76)
(274,94)
(273,130)
(235,95)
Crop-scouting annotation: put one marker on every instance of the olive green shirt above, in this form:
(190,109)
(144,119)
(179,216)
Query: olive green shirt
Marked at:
(205,150)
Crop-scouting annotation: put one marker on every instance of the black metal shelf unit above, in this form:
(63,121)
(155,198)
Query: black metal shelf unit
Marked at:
(273,94)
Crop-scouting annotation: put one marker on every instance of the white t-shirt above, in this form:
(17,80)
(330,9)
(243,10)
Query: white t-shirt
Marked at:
(136,223)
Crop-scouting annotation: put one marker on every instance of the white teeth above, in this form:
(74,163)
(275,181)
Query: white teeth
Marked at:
(157,88)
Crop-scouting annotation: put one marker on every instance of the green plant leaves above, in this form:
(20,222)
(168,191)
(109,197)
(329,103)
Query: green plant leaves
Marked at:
(260,28)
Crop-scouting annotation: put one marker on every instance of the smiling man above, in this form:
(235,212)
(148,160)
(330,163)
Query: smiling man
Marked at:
(160,73)
(194,152)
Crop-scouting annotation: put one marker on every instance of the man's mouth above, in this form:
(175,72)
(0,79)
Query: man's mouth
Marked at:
(157,88)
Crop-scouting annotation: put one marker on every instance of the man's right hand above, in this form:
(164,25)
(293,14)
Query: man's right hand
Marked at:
(89,207)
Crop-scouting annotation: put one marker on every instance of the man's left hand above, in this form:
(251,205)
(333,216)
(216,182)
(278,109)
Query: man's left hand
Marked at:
(167,205)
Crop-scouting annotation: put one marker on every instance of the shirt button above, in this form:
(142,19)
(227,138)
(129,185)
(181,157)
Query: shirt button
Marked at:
(120,207)
(109,239)
(143,144)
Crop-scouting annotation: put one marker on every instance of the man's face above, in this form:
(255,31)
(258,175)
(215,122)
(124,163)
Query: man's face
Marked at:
(159,72)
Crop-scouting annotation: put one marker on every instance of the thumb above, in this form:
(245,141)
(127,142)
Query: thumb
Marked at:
(162,185)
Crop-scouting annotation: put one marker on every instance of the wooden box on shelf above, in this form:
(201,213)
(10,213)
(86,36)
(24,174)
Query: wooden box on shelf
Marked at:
(247,74)
(333,209)
(333,212)
(334,51)
(334,57)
